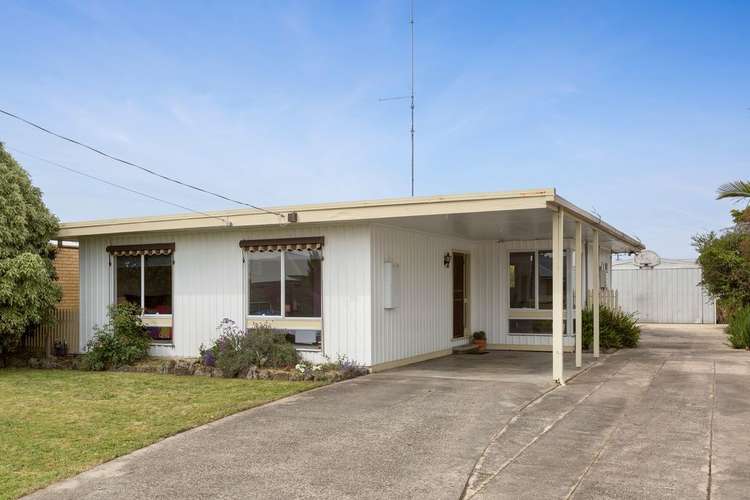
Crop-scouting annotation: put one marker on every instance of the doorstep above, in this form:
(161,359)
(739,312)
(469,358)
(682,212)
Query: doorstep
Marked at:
(465,349)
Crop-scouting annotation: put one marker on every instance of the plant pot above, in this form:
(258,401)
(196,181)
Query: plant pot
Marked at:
(481,344)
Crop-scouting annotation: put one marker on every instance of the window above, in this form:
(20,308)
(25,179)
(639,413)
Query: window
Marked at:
(302,284)
(530,291)
(157,284)
(299,290)
(286,284)
(264,283)
(530,279)
(128,279)
(545,279)
(532,325)
(146,281)
(522,281)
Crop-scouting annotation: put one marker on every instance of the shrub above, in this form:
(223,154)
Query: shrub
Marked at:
(480,335)
(738,331)
(348,368)
(237,350)
(122,341)
(616,328)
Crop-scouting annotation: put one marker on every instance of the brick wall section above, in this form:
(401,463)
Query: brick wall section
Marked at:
(66,264)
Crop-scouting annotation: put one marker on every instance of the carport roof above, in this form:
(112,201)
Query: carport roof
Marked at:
(499,215)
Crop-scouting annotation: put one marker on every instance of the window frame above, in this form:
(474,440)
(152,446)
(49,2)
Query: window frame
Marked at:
(537,277)
(150,319)
(536,280)
(535,313)
(284,322)
(282,288)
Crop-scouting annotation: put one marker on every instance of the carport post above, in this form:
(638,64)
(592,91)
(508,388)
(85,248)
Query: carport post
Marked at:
(595,293)
(579,292)
(558,219)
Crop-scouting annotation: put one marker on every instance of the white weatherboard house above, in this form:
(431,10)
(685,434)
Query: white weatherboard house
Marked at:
(384,283)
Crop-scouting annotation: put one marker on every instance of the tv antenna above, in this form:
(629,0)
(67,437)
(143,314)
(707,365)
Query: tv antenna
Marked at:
(410,96)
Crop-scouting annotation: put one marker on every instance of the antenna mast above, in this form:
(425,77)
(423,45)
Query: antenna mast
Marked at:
(410,96)
(411,25)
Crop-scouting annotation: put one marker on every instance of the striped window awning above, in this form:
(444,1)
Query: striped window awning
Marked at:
(145,249)
(280,244)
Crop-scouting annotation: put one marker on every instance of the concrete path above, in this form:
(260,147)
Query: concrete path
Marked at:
(669,419)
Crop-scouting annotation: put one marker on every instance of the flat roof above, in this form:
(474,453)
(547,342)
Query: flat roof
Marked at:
(357,211)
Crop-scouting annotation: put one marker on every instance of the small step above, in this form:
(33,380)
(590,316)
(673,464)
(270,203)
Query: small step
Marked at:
(465,349)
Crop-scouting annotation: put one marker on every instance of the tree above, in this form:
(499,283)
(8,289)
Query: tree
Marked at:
(736,189)
(725,257)
(28,292)
(725,260)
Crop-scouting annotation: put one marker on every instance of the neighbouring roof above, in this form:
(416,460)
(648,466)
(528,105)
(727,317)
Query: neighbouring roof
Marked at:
(466,208)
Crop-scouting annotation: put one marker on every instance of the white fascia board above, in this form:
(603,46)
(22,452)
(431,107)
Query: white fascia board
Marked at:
(317,214)
(594,221)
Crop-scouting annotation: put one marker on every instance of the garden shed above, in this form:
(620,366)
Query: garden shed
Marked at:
(663,290)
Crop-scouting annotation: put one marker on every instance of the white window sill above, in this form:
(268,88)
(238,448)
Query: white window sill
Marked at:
(286,318)
(537,334)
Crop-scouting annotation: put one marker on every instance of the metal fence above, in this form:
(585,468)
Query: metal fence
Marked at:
(64,329)
(668,295)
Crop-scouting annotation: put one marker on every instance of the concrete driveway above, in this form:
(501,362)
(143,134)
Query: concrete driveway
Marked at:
(669,419)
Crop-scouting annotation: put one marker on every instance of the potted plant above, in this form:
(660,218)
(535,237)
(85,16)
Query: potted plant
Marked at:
(480,340)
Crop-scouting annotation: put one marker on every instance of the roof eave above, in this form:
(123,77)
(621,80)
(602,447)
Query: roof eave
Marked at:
(317,214)
(596,222)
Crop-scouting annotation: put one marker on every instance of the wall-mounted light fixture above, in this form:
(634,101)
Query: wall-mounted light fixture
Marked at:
(447,259)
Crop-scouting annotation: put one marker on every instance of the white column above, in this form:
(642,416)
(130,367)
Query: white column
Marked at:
(595,293)
(580,292)
(569,297)
(558,219)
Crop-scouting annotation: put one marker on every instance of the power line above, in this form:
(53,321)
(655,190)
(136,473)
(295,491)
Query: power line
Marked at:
(227,222)
(131,164)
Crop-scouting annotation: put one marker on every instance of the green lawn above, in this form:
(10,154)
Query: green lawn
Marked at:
(56,423)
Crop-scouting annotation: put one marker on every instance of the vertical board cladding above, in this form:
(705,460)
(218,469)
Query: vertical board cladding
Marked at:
(666,295)
(95,286)
(208,284)
(422,322)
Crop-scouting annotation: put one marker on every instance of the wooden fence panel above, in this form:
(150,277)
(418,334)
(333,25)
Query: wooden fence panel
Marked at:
(607,298)
(65,329)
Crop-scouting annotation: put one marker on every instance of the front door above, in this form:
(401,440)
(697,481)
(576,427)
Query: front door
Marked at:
(460,294)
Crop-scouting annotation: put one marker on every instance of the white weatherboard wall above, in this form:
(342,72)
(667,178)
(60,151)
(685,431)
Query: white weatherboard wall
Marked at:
(664,295)
(208,284)
(422,323)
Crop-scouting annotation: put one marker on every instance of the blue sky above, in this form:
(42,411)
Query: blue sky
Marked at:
(636,109)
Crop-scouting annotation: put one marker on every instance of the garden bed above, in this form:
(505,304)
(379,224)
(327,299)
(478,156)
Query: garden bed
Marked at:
(327,373)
